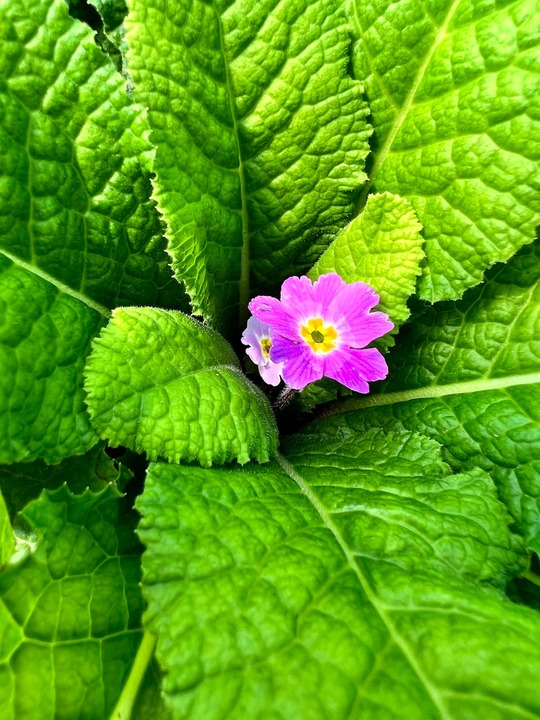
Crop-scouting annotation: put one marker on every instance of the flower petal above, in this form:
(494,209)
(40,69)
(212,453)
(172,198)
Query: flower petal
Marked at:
(311,300)
(271,311)
(353,301)
(255,330)
(251,336)
(300,365)
(254,353)
(354,368)
(357,332)
(284,349)
(327,287)
(297,293)
(298,373)
(271,372)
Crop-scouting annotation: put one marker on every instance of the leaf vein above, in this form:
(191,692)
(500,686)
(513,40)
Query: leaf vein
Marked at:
(432,692)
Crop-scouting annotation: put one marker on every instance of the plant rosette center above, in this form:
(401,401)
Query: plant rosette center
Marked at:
(319,336)
(320,329)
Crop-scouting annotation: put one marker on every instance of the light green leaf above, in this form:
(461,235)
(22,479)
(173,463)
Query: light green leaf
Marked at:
(70,611)
(44,340)
(159,382)
(381,247)
(7,543)
(468,374)
(453,90)
(497,430)
(340,583)
(78,231)
(260,133)
(396,500)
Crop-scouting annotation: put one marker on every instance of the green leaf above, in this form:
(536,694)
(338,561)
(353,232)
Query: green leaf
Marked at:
(70,611)
(341,583)
(159,382)
(44,340)
(468,374)
(78,230)
(381,247)
(318,393)
(260,134)
(453,92)
(76,163)
(22,482)
(7,543)
(397,500)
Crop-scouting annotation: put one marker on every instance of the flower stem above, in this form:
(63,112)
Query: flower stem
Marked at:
(283,399)
(124,706)
(531,577)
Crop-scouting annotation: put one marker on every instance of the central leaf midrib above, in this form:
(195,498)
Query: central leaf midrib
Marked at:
(428,392)
(244,290)
(153,388)
(172,381)
(58,284)
(431,691)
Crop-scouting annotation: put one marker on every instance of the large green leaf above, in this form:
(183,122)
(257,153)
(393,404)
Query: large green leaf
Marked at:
(468,374)
(78,231)
(70,611)
(260,135)
(45,337)
(75,164)
(342,582)
(159,382)
(453,90)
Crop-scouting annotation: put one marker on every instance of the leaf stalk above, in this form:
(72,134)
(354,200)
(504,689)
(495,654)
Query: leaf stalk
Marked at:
(127,698)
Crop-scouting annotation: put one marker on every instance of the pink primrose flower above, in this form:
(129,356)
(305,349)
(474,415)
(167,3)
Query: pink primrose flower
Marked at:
(258,337)
(323,329)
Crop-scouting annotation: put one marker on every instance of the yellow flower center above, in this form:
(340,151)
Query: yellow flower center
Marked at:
(265,347)
(319,336)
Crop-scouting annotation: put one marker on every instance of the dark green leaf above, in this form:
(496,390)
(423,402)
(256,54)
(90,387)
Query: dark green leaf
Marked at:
(70,610)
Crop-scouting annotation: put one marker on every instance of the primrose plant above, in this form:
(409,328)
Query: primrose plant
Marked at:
(315,330)
(220,505)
